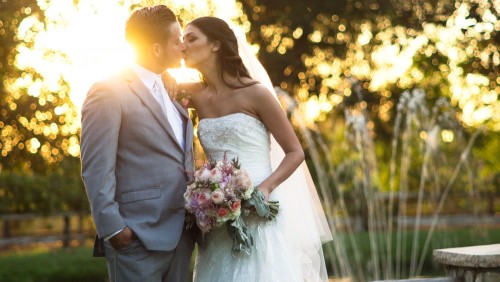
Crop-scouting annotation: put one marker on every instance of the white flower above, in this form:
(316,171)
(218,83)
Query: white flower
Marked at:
(248,193)
(203,174)
(219,164)
(243,184)
(235,214)
(215,175)
(217,196)
(245,179)
(191,186)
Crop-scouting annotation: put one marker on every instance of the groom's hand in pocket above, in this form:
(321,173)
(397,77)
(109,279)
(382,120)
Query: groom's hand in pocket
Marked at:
(122,239)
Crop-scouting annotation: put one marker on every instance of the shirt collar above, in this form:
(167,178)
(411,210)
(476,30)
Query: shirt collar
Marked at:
(146,76)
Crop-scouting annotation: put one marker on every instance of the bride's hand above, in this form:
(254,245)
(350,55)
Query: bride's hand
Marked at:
(184,98)
(266,192)
(170,85)
(175,91)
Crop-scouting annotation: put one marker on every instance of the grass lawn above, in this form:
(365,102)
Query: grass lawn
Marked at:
(73,264)
(449,238)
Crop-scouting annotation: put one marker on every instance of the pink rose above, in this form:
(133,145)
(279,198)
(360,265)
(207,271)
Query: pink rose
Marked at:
(222,212)
(235,206)
(203,198)
(217,196)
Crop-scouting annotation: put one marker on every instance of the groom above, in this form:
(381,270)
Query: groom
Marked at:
(135,148)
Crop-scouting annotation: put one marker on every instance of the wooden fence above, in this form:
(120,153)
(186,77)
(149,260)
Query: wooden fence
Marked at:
(25,229)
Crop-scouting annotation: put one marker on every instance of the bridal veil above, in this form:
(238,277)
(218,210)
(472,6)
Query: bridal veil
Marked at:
(305,220)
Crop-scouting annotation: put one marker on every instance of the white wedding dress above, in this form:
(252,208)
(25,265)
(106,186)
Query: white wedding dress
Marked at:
(273,257)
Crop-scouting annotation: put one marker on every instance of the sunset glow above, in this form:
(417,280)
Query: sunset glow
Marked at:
(77,44)
(84,43)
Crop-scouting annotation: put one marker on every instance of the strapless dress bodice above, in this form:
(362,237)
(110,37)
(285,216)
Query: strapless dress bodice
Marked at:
(238,135)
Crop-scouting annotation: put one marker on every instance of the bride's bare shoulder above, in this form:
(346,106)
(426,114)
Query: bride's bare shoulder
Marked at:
(258,92)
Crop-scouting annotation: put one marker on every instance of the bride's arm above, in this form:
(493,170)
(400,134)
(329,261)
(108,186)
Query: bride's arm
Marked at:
(191,91)
(276,121)
(182,92)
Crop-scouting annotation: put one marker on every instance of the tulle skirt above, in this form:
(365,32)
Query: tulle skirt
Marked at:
(270,260)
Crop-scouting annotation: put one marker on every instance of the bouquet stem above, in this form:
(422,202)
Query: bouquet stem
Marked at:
(265,209)
(242,239)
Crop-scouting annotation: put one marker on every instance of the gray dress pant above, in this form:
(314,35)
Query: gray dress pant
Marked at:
(136,264)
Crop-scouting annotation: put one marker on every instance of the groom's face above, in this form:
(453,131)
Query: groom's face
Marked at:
(171,52)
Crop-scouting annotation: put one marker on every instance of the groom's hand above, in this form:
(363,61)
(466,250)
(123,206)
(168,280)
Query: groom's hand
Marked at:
(122,239)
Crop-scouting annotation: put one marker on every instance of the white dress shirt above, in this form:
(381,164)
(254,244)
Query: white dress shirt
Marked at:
(153,82)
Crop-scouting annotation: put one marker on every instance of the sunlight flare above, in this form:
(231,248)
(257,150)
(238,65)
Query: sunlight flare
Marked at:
(85,42)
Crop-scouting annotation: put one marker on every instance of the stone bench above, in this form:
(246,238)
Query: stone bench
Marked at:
(438,279)
(475,263)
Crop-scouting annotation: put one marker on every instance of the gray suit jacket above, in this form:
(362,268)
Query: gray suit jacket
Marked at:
(133,168)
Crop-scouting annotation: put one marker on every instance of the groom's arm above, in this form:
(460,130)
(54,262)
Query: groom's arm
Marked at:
(101,120)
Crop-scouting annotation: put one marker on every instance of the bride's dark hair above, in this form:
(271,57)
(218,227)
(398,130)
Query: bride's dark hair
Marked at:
(230,61)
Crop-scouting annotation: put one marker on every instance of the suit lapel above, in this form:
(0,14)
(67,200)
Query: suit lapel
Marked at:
(147,98)
(188,125)
(181,110)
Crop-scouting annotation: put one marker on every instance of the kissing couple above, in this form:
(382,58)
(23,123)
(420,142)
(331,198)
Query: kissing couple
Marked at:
(137,150)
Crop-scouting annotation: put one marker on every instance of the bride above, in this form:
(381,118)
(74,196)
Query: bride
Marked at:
(241,117)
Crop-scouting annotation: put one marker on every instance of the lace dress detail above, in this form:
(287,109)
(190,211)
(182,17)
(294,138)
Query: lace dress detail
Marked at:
(243,136)
(220,130)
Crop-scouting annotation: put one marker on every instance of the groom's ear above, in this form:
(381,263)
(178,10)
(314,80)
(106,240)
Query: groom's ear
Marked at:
(156,48)
(215,46)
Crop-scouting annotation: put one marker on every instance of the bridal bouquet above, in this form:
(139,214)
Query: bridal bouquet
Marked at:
(219,194)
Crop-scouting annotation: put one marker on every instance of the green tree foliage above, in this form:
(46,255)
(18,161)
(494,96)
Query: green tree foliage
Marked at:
(60,190)
(447,47)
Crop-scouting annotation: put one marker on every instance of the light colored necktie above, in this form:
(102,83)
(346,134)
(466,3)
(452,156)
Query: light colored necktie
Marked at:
(173,115)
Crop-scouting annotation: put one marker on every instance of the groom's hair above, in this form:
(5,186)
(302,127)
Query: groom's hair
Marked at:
(149,25)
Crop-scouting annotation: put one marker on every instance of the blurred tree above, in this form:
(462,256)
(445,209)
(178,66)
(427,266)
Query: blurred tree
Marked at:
(36,118)
(316,50)
(39,171)
(358,57)
(47,49)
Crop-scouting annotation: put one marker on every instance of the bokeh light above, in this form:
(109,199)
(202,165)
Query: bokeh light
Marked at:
(87,40)
(62,53)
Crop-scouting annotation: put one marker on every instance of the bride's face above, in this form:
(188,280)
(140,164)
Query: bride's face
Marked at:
(198,48)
